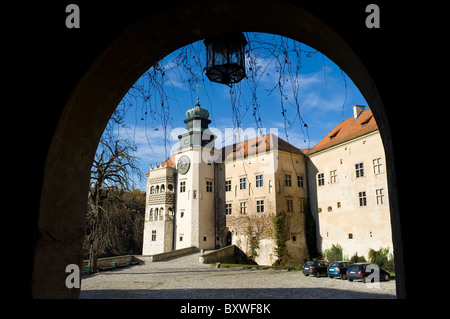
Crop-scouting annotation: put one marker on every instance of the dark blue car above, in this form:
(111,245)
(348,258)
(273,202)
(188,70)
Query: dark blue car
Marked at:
(364,270)
(316,268)
(338,269)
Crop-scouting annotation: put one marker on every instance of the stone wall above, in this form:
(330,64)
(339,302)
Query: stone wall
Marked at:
(223,255)
(167,255)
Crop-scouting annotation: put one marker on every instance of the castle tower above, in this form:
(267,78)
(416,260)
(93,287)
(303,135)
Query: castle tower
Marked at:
(159,211)
(195,215)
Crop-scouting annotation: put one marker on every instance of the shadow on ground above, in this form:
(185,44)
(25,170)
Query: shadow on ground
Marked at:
(253,293)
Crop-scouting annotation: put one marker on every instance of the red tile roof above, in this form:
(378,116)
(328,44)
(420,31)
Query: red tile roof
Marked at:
(258,145)
(344,131)
(347,130)
(168,162)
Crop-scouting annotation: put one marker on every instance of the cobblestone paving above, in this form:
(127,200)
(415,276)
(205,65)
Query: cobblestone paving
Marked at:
(185,277)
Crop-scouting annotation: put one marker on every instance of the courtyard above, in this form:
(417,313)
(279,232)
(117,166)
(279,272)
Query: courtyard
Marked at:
(185,278)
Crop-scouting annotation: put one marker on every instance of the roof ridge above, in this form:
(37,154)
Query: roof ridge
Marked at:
(346,130)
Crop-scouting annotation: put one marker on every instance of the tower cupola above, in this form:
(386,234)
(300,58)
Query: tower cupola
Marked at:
(197,132)
(197,112)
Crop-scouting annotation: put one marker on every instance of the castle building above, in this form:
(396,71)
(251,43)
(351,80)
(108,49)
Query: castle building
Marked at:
(258,179)
(348,191)
(209,198)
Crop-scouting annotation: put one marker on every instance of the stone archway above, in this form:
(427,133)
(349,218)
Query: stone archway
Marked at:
(61,220)
(229,238)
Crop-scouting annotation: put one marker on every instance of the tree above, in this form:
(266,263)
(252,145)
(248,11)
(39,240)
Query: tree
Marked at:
(269,59)
(110,175)
(258,227)
(132,221)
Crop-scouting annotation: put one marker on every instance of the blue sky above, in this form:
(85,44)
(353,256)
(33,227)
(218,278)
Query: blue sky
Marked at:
(325,95)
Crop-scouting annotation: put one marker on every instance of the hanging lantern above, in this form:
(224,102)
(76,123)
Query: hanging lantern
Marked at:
(225,58)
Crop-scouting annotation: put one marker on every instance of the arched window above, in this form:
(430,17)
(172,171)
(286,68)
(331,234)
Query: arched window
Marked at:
(152,189)
(150,214)
(157,189)
(156,213)
(170,187)
(161,213)
(163,188)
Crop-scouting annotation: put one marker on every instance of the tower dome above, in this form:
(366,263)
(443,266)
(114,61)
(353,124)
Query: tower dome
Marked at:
(197,112)
(197,132)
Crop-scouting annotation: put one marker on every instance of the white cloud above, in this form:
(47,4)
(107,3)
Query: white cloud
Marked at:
(317,101)
(150,143)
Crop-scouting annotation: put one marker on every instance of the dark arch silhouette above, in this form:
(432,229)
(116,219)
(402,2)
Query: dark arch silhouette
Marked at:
(111,54)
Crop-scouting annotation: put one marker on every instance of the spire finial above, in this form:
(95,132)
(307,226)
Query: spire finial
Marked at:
(198,99)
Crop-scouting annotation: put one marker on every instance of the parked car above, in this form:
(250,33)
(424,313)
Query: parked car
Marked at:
(315,268)
(363,270)
(338,269)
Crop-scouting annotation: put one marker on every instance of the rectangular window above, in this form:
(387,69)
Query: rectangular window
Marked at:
(228,186)
(153,235)
(228,209)
(243,207)
(380,196)
(260,206)
(259,181)
(300,181)
(287,180)
(302,206)
(333,177)
(359,169)
(182,187)
(377,166)
(243,183)
(320,179)
(209,186)
(290,205)
(362,199)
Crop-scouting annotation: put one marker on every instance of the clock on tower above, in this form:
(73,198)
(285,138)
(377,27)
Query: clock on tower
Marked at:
(183,164)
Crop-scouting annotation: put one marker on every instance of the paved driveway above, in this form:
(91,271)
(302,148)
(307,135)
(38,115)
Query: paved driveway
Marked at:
(186,278)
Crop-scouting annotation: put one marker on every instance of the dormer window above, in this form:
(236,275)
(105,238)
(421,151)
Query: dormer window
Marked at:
(366,121)
(256,144)
(333,135)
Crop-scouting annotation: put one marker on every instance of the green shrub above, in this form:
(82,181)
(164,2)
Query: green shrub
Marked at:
(382,258)
(253,241)
(334,253)
(357,259)
(279,226)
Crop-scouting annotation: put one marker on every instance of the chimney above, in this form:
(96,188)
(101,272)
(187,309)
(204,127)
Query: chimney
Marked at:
(357,109)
